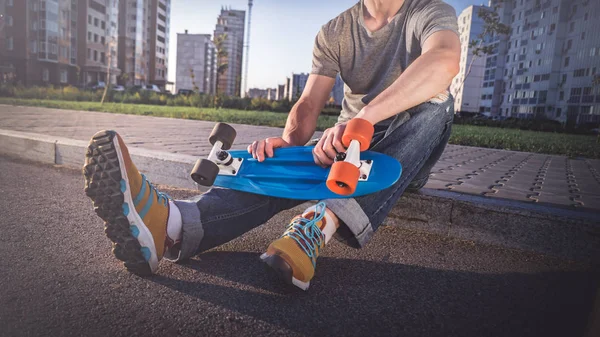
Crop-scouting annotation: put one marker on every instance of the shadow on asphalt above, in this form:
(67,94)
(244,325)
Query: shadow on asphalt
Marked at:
(386,298)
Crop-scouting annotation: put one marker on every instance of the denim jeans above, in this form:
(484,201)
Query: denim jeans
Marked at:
(416,138)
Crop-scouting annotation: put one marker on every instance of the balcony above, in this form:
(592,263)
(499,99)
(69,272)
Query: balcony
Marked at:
(587,99)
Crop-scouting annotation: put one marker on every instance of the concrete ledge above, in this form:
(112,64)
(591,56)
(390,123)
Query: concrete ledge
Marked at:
(555,231)
(566,233)
(30,146)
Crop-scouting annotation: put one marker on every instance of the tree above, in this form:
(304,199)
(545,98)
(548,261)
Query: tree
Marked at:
(222,62)
(492,27)
(110,49)
(193,77)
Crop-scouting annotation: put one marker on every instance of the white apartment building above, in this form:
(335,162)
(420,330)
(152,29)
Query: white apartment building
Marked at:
(466,86)
(551,61)
(196,54)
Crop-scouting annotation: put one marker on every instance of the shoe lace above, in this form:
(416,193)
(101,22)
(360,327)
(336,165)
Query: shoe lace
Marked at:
(307,233)
(162,197)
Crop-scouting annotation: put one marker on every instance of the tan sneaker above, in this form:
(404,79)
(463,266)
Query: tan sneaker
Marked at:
(134,211)
(294,255)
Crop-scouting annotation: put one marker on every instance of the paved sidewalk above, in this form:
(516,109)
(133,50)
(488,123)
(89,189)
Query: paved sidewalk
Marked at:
(533,178)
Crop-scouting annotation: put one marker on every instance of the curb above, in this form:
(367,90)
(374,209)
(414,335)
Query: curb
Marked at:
(566,233)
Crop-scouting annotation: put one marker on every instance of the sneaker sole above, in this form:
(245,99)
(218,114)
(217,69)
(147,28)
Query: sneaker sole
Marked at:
(107,185)
(283,270)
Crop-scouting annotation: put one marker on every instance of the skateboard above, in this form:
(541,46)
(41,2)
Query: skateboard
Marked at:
(292,173)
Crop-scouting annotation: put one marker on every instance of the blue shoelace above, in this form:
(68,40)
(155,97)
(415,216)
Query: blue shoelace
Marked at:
(307,233)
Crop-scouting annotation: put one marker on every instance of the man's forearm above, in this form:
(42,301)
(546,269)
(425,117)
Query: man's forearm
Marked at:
(301,123)
(426,77)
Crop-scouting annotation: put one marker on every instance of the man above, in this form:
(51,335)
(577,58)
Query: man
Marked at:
(397,59)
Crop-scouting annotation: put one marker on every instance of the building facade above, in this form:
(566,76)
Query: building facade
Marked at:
(296,86)
(551,62)
(257,93)
(466,86)
(39,42)
(280,92)
(337,93)
(272,94)
(196,63)
(98,42)
(232,24)
(159,42)
(84,42)
(134,41)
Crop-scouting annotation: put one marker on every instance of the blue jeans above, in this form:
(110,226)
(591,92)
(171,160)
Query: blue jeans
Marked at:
(416,138)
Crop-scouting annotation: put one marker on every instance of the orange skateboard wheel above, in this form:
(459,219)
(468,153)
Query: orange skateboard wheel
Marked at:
(343,178)
(358,129)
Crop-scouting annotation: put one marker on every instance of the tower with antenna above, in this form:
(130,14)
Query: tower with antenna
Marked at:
(247,49)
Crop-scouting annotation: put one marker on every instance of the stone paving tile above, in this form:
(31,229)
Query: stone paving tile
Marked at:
(511,193)
(493,173)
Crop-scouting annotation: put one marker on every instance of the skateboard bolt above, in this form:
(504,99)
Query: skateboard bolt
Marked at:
(369,161)
(239,159)
(222,155)
(364,176)
(340,156)
(233,171)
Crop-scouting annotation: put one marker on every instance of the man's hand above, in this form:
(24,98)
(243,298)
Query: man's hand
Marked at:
(329,145)
(258,149)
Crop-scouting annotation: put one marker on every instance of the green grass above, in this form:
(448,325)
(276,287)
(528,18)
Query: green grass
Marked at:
(497,138)
(529,141)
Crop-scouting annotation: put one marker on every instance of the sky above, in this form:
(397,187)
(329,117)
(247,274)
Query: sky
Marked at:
(282,32)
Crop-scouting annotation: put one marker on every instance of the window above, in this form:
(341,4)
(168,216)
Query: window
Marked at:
(96,38)
(96,22)
(89,54)
(102,58)
(34,46)
(89,36)
(9,43)
(9,20)
(95,55)
(555,10)
(102,40)
(569,44)
(45,75)
(572,27)
(561,96)
(583,35)
(63,76)
(103,25)
(9,2)
(567,59)
(558,112)
(593,51)
(89,19)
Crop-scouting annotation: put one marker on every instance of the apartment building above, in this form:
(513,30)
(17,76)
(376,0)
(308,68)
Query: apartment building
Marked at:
(159,42)
(296,85)
(98,41)
(39,41)
(196,63)
(466,86)
(83,42)
(231,23)
(551,62)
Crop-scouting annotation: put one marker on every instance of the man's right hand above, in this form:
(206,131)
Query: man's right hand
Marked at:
(262,149)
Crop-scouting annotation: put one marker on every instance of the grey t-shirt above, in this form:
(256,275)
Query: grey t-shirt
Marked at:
(369,62)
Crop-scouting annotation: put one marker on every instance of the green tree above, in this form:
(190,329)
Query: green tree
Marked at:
(222,63)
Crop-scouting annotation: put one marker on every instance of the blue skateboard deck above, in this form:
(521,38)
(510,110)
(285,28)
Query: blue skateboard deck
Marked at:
(293,174)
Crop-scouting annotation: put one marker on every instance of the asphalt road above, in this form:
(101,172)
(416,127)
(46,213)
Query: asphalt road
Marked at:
(58,278)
